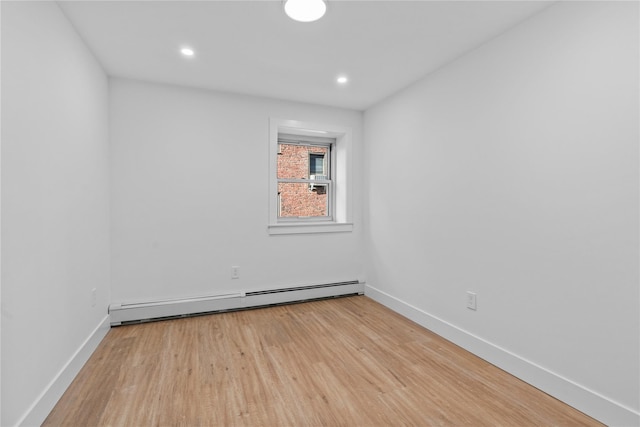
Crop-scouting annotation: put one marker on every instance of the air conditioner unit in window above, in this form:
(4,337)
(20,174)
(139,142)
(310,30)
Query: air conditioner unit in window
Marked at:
(312,187)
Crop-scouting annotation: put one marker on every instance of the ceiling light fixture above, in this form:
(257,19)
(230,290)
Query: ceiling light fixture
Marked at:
(305,10)
(343,80)
(187,51)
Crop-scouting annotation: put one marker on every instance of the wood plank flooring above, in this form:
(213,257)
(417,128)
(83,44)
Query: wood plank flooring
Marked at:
(339,362)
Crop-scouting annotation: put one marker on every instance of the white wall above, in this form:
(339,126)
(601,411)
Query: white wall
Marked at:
(189,191)
(55,224)
(513,172)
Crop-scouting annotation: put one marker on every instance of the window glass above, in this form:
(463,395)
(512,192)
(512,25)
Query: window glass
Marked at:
(304,185)
(300,161)
(316,166)
(302,200)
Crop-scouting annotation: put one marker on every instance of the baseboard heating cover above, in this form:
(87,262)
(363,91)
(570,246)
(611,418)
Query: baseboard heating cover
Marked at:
(155,310)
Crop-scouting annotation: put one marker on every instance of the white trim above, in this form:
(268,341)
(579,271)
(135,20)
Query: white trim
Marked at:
(1,222)
(315,227)
(44,403)
(588,401)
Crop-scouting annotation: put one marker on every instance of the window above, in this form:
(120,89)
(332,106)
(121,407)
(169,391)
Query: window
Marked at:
(309,185)
(318,171)
(304,180)
(316,164)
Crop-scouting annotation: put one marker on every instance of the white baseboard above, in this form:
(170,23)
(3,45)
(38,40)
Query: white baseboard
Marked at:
(588,401)
(45,402)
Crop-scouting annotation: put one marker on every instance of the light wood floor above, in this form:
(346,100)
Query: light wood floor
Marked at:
(346,361)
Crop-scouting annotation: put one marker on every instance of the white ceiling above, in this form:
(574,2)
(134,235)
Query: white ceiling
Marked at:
(252,47)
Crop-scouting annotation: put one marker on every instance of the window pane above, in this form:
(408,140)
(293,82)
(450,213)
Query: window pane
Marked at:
(301,199)
(300,161)
(316,165)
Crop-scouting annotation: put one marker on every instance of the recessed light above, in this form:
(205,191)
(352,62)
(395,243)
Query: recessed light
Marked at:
(342,80)
(305,10)
(187,51)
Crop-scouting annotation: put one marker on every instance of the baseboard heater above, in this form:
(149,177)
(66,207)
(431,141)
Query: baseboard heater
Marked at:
(122,314)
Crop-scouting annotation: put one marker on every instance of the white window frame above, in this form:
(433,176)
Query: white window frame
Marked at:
(307,141)
(340,214)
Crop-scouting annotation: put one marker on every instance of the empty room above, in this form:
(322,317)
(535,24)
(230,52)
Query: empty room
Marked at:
(320,212)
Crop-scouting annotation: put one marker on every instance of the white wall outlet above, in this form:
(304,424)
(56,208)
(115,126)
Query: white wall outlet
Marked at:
(235,272)
(472,303)
(94,297)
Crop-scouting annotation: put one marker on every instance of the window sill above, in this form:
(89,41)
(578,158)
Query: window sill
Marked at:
(315,227)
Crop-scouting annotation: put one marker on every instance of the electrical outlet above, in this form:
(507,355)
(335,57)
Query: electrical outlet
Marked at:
(472,303)
(94,297)
(235,272)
